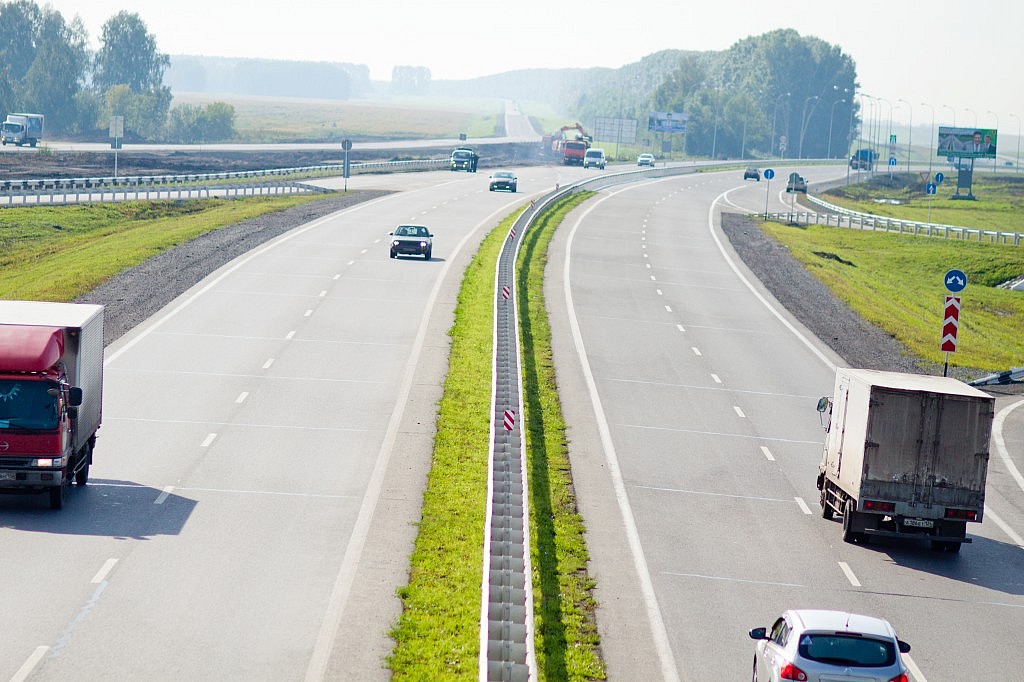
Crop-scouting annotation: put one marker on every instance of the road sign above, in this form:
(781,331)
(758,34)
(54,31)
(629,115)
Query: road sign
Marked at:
(510,419)
(892,160)
(950,324)
(955,280)
(769,174)
(346,144)
(892,139)
(939,177)
(930,188)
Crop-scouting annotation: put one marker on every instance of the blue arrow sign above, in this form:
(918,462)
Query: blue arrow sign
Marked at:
(930,188)
(955,281)
(939,177)
(769,173)
(892,160)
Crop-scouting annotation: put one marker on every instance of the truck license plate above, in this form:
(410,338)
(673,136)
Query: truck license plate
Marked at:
(919,523)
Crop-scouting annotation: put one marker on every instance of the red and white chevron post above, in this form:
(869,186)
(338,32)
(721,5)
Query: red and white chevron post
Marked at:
(950,324)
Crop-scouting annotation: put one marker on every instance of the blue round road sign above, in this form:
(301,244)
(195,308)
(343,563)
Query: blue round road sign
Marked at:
(939,177)
(955,281)
(769,173)
(930,188)
(892,160)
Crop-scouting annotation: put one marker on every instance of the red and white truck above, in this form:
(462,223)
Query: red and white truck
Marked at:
(51,395)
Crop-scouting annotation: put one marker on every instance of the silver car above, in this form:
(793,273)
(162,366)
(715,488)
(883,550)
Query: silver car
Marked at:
(812,645)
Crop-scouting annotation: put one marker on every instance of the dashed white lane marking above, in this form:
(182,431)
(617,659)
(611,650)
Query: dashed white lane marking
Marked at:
(803,505)
(696,351)
(768,454)
(242,396)
(337,277)
(323,293)
(849,573)
(739,412)
(268,363)
(668,309)
(659,292)
(680,328)
(307,313)
(162,497)
(715,378)
(26,669)
(208,441)
(101,575)
(289,336)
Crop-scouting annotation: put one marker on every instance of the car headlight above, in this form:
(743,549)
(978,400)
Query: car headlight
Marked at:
(52,462)
(394,243)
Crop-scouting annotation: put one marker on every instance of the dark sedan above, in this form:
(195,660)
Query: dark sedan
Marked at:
(505,180)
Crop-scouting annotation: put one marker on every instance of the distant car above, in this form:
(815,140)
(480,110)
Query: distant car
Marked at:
(645,160)
(752,173)
(411,240)
(796,183)
(594,158)
(810,644)
(504,180)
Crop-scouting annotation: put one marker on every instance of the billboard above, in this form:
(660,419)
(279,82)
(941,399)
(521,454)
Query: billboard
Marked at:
(967,143)
(667,121)
(615,130)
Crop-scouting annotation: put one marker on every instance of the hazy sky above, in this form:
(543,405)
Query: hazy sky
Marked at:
(964,59)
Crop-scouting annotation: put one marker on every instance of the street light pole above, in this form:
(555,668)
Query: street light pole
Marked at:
(910,130)
(997,140)
(771,142)
(1017,163)
(954,113)
(888,133)
(803,123)
(829,155)
(975,116)
(931,139)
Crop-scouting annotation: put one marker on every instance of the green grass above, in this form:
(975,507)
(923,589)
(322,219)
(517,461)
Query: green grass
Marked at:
(999,203)
(437,636)
(895,282)
(59,253)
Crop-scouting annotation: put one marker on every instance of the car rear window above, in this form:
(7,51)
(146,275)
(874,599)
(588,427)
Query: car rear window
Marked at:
(847,650)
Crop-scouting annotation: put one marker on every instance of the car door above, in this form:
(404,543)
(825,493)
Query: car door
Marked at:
(771,657)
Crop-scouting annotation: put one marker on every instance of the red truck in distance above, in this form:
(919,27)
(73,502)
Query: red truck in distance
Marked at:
(51,395)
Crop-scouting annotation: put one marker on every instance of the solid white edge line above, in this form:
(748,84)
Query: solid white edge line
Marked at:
(655,619)
(803,505)
(997,436)
(29,665)
(914,670)
(335,610)
(1013,535)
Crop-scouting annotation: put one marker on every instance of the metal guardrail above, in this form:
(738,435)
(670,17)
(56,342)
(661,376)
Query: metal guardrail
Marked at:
(238,183)
(1006,377)
(844,217)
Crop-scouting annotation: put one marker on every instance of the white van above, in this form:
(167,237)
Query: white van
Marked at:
(594,157)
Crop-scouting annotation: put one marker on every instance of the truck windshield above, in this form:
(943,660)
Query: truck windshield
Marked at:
(12,127)
(27,405)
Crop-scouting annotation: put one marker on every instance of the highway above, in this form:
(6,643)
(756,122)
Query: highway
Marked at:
(266,438)
(695,444)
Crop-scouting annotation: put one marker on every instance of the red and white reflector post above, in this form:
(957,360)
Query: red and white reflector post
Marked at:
(510,419)
(950,324)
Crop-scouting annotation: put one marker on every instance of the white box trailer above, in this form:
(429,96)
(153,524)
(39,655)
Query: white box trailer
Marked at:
(905,455)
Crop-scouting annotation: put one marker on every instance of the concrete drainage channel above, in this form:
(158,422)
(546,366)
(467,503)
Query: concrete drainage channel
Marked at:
(507,652)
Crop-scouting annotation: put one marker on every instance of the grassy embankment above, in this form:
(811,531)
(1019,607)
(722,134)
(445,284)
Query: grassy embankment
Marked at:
(438,634)
(895,281)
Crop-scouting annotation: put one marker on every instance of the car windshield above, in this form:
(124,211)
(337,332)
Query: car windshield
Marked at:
(502,174)
(410,231)
(27,405)
(462,155)
(847,650)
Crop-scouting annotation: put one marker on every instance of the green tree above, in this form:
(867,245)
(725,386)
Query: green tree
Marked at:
(129,72)
(55,78)
(190,124)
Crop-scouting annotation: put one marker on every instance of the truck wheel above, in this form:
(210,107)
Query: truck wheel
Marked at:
(826,509)
(58,495)
(849,535)
(32,144)
(82,475)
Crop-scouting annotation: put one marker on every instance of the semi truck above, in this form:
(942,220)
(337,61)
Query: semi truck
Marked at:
(51,395)
(863,159)
(21,129)
(905,455)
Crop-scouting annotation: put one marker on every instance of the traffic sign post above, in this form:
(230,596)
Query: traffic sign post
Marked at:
(955,281)
(930,190)
(768,175)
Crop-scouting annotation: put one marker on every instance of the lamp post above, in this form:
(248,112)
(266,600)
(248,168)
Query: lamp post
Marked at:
(910,130)
(997,140)
(1017,163)
(803,123)
(838,101)
(888,132)
(975,116)
(954,113)
(771,142)
(931,139)
(870,133)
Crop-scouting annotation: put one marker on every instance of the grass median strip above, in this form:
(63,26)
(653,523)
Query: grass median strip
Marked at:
(437,636)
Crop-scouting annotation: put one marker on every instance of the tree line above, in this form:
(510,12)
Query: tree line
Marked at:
(47,67)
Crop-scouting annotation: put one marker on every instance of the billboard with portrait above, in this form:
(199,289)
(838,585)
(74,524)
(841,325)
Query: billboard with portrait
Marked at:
(667,121)
(967,143)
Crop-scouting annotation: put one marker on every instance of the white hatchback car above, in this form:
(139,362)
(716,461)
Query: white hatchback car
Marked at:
(811,645)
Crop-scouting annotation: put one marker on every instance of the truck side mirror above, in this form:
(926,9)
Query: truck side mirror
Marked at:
(74,396)
(824,404)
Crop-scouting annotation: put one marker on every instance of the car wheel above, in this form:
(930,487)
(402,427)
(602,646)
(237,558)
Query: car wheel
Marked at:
(426,254)
(393,254)
(513,189)
(59,495)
